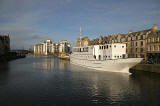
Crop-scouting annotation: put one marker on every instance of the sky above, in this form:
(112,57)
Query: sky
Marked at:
(32,21)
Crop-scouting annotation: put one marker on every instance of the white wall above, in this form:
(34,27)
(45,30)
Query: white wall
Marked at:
(109,51)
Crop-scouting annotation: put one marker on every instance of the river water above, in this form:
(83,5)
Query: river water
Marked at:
(48,81)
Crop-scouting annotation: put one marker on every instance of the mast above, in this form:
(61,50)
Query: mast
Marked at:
(80,36)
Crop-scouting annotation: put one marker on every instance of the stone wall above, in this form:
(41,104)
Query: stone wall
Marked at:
(146,68)
(4,44)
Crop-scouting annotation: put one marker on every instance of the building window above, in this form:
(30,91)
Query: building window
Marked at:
(107,46)
(99,47)
(136,37)
(102,47)
(141,37)
(110,46)
(141,43)
(141,49)
(136,49)
(136,43)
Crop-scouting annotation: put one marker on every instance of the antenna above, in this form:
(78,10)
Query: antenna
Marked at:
(80,36)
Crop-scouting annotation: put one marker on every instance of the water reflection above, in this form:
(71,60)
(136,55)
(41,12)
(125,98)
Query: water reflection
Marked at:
(148,85)
(4,73)
(49,63)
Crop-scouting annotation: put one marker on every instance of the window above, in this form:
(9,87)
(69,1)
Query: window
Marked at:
(102,47)
(99,47)
(107,46)
(110,46)
(141,49)
(136,37)
(136,49)
(115,46)
(141,43)
(122,46)
(141,37)
(136,43)
(115,56)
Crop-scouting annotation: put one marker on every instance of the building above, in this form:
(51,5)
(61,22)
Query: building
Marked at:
(84,42)
(45,48)
(64,46)
(49,48)
(4,44)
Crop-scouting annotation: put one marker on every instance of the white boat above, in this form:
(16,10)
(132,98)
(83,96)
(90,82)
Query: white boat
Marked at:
(108,57)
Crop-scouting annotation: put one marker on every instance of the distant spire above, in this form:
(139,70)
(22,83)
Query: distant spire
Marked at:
(80,36)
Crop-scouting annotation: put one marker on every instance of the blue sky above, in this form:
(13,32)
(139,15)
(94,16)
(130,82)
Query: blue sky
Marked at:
(33,21)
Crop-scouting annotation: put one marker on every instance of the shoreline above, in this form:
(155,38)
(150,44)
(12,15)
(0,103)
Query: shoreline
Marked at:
(11,56)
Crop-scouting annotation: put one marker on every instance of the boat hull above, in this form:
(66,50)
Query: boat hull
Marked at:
(119,65)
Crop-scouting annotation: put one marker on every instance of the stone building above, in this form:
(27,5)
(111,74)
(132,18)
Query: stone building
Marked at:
(144,44)
(84,42)
(4,44)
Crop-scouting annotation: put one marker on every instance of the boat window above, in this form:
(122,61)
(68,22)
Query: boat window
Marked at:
(95,56)
(115,46)
(122,46)
(99,57)
(107,46)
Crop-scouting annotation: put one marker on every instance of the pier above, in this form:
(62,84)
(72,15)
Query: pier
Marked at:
(154,68)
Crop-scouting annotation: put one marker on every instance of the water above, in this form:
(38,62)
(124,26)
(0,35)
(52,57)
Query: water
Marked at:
(47,81)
